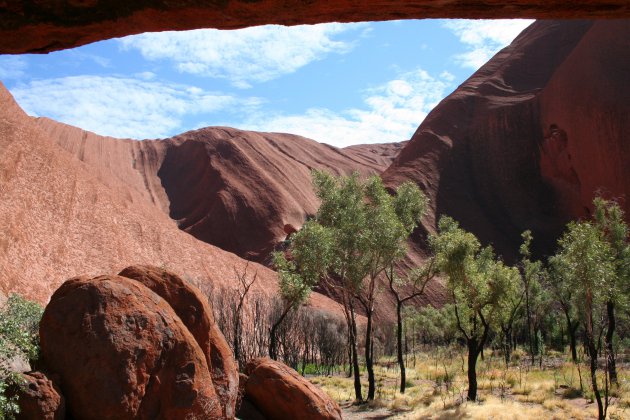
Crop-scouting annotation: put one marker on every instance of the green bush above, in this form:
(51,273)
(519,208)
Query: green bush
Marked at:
(19,335)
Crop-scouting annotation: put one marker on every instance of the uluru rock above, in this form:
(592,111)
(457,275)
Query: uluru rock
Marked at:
(47,25)
(528,140)
(279,392)
(39,398)
(75,202)
(193,309)
(121,352)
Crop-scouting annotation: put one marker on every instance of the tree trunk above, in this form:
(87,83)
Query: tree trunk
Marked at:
(507,334)
(369,363)
(612,368)
(355,357)
(272,335)
(473,353)
(598,397)
(401,362)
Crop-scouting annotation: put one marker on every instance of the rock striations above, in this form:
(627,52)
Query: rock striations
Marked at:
(527,140)
(74,202)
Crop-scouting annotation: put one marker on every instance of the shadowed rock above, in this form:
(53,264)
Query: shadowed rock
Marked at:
(39,398)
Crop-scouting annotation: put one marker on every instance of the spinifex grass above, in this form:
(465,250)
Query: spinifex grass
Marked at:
(437,384)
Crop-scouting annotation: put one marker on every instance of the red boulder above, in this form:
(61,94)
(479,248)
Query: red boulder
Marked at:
(194,310)
(121,352)
(39,398)
(279,392)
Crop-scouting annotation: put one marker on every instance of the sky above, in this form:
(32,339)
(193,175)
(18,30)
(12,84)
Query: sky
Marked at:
(340,84)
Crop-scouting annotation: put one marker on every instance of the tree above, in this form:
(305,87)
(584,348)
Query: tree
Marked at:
(414,284)
(311,252)
(243,289)
(508,307)
(476,282)
(609,219)
(585,262)
(370,229)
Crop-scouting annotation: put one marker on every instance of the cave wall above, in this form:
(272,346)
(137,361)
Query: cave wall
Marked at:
(28,26)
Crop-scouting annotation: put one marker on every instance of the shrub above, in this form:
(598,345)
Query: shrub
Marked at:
(19,337)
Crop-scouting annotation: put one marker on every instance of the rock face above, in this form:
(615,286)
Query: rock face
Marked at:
(195,312)
(121,352)
(279,392)
(74,202)
(40,398)
(239,189)
(42,26)
(527,140)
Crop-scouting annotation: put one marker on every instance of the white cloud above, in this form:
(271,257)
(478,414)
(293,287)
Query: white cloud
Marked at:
(243,56)
(391,112)
(484,38)
(12,67)
(122,107)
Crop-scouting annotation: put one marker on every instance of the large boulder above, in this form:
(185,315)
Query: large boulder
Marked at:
(40,399)
(121,352)
(193,309)
(279,392)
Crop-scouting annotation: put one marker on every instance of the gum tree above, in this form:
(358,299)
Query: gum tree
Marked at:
(585,263)
(476,282)
(311,253)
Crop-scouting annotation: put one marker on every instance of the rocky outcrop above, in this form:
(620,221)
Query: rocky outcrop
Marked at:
(122,352)
(74,202)
(239,189)
(196,314)
(279,392)
(527,140)
(40,398)
(42,26)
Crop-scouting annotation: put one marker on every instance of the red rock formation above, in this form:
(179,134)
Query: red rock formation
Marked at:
(121,352)
(543,122)
(73,202)
(279,392)
(41,26)
(40,398)
(196,314)
(239,189)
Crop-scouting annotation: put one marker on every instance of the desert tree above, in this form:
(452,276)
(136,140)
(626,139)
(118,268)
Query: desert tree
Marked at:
(405,288)
(244,285)
(369,228)
(476,282)
(310,254)
(585,263)
(509,306)
(609,219)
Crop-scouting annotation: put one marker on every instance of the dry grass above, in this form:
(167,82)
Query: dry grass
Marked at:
(437,386)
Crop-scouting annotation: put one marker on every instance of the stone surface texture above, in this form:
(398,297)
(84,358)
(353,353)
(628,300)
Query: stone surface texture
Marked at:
(40,399)
(47,25)
(121,352)
(279,392)
(193,309)
(527,140)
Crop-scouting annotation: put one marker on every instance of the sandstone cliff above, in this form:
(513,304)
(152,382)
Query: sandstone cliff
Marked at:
(527,140)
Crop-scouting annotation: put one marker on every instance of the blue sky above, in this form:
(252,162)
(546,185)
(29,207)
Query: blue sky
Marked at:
(341,84)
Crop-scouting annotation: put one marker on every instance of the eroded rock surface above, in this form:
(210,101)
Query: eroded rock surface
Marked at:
(279,392)
(42,26)
(121,352)
(194,310)
(527,141)
(40,399)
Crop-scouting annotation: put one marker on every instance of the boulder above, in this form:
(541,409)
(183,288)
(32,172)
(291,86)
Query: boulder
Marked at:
(193,309)
(279,392)
(121,352)
(40,399)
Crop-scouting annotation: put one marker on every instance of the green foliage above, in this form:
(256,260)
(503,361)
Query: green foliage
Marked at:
(584,264)
(476,280)
(312,252)
(19,335)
